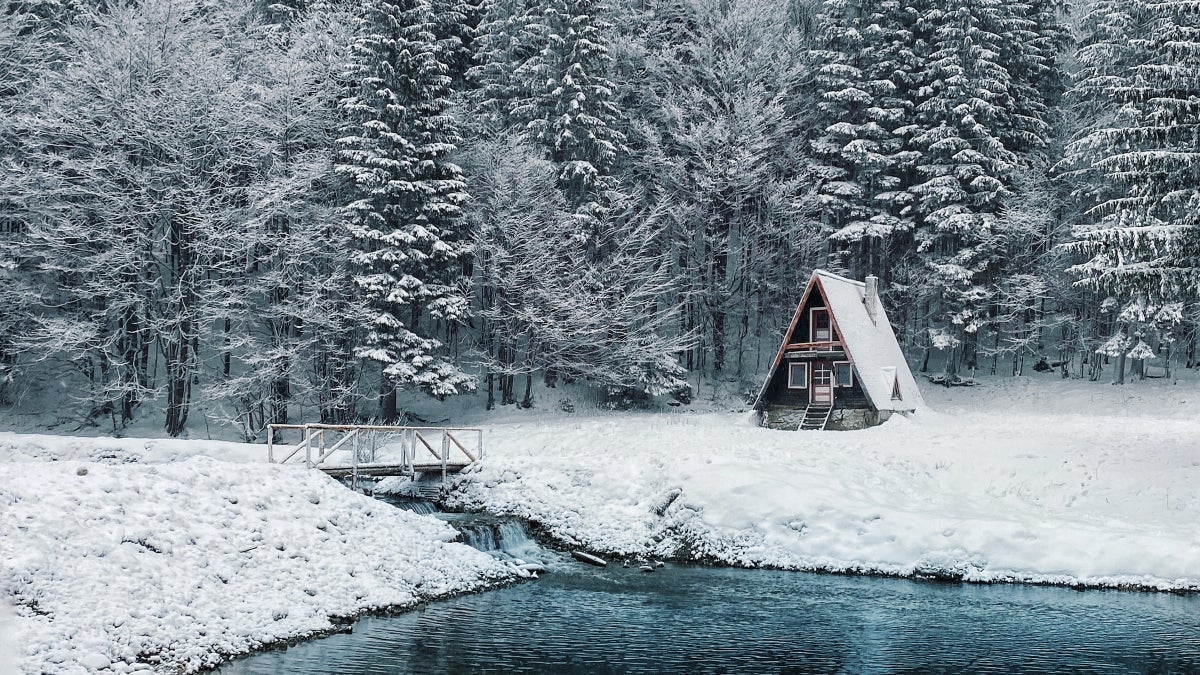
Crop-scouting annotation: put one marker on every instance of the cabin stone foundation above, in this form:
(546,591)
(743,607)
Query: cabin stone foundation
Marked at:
(850,419)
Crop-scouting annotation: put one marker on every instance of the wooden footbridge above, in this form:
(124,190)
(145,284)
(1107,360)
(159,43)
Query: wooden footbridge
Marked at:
(373,451)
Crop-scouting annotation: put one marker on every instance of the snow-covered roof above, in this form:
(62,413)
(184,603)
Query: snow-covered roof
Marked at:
(879,364)
(878,361)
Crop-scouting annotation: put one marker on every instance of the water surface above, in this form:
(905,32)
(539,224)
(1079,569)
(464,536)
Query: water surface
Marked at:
(682,619)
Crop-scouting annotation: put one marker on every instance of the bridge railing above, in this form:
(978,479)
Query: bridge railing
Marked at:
(335,447)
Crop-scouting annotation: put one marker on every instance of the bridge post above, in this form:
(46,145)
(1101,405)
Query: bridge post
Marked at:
(445,452)
(308,447)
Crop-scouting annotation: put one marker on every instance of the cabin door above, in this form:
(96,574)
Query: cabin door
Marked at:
(822,383)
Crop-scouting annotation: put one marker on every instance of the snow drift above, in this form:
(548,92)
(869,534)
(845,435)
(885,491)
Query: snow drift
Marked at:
(114,567)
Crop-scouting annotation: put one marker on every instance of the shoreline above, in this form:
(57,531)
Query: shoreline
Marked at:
(219,551)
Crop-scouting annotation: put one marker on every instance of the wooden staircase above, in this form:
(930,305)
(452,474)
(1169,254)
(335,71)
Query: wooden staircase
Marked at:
(816,416)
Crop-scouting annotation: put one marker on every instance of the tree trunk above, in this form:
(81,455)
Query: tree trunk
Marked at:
(717,307)
(950,371)
(491,399)
(179,385)
(1119,367)
(1191,348)
(226,357)
(528,401)
(508,359)
(387,400)
(281,393)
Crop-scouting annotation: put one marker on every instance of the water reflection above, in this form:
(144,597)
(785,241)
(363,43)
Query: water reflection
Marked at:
(702,620)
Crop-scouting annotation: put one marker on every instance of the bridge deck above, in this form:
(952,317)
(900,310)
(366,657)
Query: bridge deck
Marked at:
(377,451)
(382,470)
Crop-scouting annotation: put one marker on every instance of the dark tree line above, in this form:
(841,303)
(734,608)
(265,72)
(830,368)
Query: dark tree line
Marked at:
(256,213)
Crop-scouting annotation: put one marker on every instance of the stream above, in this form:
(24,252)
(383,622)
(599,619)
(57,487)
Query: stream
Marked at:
(693,619)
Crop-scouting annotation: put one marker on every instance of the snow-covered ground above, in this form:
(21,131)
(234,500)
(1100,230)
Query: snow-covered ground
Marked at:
(116,567)
(1019,490)
(9,650)
(170,553)
(16,447)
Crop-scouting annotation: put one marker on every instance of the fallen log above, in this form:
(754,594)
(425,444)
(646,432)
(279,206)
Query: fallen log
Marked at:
(588,558)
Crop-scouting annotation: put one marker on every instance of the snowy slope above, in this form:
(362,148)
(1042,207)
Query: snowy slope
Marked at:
(1097,500)
(15,447)
(9,640)
(177,564)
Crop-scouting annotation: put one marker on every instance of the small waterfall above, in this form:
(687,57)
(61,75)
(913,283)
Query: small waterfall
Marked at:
(506,538)
(496,535)
(421,506)
(480,536)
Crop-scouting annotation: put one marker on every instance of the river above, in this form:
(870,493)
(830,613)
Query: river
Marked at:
(692,619)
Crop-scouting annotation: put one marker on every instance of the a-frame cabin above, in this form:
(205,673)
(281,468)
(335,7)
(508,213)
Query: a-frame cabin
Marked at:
(840,366)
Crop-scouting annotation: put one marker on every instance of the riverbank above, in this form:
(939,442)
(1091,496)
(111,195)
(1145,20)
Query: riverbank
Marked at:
(175,566)
(1105,499)
(171,553)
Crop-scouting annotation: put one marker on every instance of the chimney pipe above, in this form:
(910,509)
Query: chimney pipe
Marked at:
(871,300)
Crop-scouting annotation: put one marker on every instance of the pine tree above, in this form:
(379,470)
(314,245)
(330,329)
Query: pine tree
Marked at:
(568,107)
(865,86)
(454,25)
(965,169)
(509,34)
(1142,79)
(407,199)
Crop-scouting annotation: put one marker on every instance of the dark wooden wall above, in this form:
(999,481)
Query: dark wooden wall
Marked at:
(778,393)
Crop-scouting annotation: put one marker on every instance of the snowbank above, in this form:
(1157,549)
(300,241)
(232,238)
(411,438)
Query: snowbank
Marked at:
(111,568)
(16,447)
(1101,501)
(8,640)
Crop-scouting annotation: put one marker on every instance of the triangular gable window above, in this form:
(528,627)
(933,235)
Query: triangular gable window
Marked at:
(896,389)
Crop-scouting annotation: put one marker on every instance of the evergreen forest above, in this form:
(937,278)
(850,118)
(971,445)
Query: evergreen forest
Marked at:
(310,210)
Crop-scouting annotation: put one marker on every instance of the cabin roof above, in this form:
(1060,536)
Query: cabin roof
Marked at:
(871,345)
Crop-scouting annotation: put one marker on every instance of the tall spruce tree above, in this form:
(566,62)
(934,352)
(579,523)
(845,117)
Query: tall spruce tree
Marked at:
(865,86)
(568,106)
(1136,164)
(965,167)
(1142,76)
(405,215)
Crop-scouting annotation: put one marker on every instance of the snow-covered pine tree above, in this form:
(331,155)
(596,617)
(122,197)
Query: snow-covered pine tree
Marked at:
(865,89)
(455,24)
(1142,77)
(927,110)
(509,34)
(1031,53)
(1134,163)
(568,108)
(405,213)
(965,169)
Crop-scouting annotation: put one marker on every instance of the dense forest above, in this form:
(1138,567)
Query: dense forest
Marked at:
(315,205)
